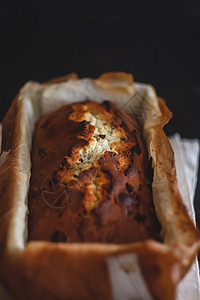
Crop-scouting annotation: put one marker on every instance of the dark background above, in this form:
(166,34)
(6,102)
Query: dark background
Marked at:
(158,44)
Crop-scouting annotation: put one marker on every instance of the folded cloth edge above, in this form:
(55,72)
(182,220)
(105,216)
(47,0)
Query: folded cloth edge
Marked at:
(187,169)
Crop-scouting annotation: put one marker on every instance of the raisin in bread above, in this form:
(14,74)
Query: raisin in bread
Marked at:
(91,179)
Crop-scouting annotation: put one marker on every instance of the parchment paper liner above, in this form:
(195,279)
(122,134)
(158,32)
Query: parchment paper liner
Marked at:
(45,270)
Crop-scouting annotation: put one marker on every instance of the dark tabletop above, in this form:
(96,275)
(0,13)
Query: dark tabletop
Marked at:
(157,44)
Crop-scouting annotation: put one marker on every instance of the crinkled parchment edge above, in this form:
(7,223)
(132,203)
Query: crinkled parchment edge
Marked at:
(44,270)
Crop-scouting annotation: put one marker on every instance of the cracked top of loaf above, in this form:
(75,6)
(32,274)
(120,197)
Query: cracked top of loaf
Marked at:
(91,178)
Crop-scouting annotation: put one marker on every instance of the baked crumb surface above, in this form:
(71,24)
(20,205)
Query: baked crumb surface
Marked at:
(91,179)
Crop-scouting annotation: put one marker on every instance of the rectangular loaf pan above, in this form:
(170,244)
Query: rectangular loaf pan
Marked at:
(45,270)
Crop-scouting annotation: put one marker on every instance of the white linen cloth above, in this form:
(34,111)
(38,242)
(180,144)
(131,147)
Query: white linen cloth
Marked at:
(187,162)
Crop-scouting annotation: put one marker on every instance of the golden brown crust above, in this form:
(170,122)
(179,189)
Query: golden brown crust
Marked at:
(100,195)
(21,263)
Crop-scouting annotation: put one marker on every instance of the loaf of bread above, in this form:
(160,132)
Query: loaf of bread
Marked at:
(91,181)
(91,178)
